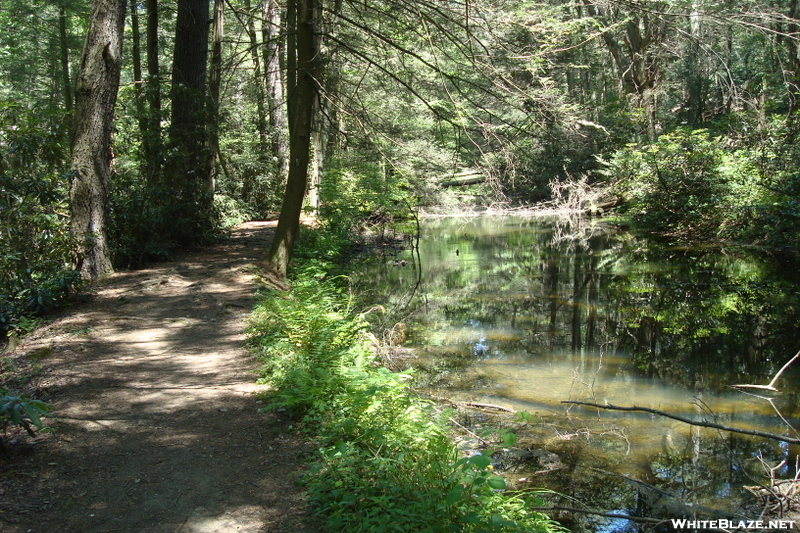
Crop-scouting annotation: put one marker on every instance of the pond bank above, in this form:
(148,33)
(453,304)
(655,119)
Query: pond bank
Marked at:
(524,313)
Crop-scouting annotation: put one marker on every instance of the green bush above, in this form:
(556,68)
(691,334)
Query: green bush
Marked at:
(775,220)
(37,251)
(386,462)
(147,223)
(686,184)
(19,411)
(674,185)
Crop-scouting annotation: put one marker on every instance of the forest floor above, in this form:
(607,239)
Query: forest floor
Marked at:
(156,424)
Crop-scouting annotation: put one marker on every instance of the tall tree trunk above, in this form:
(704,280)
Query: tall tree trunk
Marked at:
(138,89)
(305,57)
(325,118)
(695,71)
(214,83)
(152,142)
(276,90)
(258,79)
(64,49)
(96,94)
(187,130)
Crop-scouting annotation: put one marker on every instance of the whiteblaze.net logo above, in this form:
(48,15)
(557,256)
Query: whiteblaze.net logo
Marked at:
(684,523)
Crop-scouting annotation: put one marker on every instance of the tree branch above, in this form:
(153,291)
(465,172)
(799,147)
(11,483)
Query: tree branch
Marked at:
(771,385)
(703,423)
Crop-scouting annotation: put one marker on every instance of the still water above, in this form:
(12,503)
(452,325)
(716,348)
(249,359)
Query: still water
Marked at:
(526,313)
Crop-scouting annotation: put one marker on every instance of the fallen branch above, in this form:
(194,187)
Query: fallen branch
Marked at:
(489,406)
(685,420)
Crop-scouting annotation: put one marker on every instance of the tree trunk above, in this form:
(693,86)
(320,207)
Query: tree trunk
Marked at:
(325,117)
(64,46)
(255,55)
(695,70)
(182,195)
(136,49)
(302,99)
(214,82)
(152,141)
(96,94)
(187,131)
(276,90)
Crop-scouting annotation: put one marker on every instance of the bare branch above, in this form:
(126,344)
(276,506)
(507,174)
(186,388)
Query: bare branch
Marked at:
(685,420)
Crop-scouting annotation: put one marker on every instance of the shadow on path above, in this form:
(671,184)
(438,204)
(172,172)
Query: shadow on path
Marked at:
(157,427)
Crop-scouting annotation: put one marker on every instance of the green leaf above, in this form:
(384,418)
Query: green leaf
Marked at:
(481,461)
(509,438)
(454,496)
(496,482)
(33,415)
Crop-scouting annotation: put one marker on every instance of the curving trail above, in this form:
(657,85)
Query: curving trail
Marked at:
(158,428)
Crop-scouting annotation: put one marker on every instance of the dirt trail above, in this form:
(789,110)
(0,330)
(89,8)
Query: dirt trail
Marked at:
(159,428)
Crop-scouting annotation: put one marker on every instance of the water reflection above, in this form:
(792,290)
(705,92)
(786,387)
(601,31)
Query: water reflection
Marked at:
(525,313)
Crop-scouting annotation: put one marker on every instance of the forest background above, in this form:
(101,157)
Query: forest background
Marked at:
(131,130)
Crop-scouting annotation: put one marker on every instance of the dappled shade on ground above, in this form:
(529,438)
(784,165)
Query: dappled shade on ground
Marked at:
(157,425)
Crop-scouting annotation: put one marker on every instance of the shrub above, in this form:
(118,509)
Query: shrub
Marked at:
(37,251)
(674,185)
(386,462)
(18,411)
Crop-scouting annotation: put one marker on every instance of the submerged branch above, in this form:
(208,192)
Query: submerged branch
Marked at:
(685,420)
(641,519)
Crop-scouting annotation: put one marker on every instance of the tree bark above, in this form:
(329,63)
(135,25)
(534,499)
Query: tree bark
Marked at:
(302,101)
(187,130)
(276,89)
(64,46)
(96,94)
(214,83)
(152,141)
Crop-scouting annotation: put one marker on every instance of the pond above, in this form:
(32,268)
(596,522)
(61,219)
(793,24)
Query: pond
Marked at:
(525,313)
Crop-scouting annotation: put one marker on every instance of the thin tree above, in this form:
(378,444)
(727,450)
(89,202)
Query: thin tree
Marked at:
(303,72)
(95,94)
(272,51)
(214,82)
(152,141)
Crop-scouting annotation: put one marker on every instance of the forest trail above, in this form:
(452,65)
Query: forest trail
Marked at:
(158,427)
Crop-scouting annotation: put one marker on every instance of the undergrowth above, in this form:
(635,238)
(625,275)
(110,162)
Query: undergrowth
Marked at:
(386,462)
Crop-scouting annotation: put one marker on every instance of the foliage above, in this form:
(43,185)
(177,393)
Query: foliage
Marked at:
(143,227)
(775,220)
(386,462)
(36,249)
(231,211)
(686,183)
(135,224)
(19,411)
(693,185)
(351,199)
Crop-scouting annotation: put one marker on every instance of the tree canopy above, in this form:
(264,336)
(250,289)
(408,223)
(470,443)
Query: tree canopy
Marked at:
(350,108)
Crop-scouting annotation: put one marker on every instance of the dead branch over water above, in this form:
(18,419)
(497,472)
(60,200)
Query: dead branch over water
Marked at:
(700,423)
